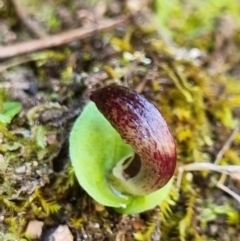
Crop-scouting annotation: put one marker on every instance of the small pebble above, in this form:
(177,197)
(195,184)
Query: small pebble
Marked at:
(20,170)
(62,233)
(85,236)
(35,163)
(34,229)
(96,225)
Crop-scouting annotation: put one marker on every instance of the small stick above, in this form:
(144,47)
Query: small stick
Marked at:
(227,144)
(201,166)
(32,26)
(222,178)
(213,167)
(60,39)
(179,176)
(205,166)
(220,185)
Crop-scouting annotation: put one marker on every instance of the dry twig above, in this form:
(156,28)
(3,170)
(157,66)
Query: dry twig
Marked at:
(32,26)
(227,145)
(206,166)
(60,39)
(231,170)
(220,184)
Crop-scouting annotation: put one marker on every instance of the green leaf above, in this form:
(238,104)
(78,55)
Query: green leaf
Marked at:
(10,109)
(95,149)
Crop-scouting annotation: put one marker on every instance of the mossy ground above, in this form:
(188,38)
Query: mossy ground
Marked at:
(185,58)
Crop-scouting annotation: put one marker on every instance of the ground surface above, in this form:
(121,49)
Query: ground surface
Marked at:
(184,58)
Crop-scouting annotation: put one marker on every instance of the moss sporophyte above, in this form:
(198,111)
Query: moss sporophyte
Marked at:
(122,151)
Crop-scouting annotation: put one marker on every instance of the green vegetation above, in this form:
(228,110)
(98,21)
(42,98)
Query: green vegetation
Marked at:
(95,149)
(197,92)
